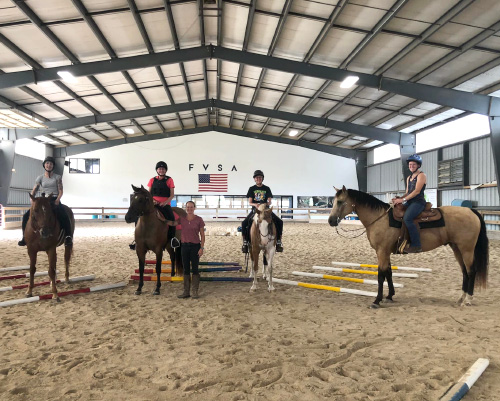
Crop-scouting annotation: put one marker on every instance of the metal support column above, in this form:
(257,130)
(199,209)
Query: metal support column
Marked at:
(495,146)
(362,171)
(407,146)
(6,163)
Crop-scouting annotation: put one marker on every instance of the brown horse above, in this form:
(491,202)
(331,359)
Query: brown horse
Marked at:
(43,233)
(262,238)
(464,231)
(151,235)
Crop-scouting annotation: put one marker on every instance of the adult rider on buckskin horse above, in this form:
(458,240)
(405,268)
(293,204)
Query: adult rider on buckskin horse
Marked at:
(415,201)
(258,194)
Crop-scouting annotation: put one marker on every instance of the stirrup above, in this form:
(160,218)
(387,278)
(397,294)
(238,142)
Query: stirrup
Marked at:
(174,243)
(132,246)
(22,242)
(244,247)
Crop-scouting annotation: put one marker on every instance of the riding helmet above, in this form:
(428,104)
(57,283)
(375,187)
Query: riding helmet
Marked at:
(49,159)
(415,158)
(256,173)
(161,164)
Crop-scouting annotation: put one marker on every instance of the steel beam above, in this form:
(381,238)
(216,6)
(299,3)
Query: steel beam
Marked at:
(78,149)
(481,104)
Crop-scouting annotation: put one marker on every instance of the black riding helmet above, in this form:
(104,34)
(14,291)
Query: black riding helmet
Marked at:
(161,164)
(415,158)
(49,159)
(257,173)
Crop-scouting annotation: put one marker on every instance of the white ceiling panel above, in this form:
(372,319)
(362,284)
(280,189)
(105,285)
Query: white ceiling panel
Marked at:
(187,24)
(262,33)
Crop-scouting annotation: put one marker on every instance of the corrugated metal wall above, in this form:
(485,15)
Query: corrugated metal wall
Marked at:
(453,152)
(23,179)
(383,177)
(483,171)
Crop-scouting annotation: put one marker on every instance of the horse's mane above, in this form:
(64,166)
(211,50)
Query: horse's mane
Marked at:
(367,200)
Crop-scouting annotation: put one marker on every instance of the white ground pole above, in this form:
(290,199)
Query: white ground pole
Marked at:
(47,296)
(354,280)
(71,280)
(461,388)
(325,287)
(415,269)
(13,268)
(338,269)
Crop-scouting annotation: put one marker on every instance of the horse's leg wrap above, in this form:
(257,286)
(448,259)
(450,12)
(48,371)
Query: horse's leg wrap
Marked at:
(380,293)
(390,283)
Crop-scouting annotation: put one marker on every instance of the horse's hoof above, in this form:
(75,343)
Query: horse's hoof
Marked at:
(374,306)
(156,292)
(389,300)
(56,299)
(252,289)
(271,289)
(138,292)
(29,295)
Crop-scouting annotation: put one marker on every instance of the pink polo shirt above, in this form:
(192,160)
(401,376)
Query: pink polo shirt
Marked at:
(191,229)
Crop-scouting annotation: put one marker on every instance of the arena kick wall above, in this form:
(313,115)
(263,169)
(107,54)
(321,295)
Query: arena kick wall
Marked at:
(289,170)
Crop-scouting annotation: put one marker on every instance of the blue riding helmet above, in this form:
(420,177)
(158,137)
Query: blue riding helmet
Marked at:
(415,158)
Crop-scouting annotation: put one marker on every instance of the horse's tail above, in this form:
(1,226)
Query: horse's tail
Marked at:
(481,254)
(68,253)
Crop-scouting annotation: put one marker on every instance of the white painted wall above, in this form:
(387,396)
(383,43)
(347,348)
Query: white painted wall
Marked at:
(289,170)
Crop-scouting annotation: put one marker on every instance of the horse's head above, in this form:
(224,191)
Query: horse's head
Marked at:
(263,218)
(342,206)
(142,202)
(42,216)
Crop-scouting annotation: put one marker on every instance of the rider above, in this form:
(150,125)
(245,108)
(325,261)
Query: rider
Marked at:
(162,188)
(51,183)
(414,200)
(258,194)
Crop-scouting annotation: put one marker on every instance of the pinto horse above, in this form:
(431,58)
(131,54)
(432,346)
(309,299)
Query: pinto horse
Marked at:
(151,235)
(464,231)
(262,238)
(43,233)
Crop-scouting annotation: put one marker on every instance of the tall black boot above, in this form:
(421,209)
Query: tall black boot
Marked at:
(26,217)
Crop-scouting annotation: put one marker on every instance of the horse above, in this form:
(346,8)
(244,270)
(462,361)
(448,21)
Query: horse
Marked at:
(151,235)
(464,231)
(262,238)
(43,233)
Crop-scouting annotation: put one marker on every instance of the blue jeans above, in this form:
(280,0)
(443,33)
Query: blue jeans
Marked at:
(414,209)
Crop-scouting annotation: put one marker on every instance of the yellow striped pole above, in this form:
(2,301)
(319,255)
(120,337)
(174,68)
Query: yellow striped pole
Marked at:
(325,287)
(415,269)
(338,269)
(351,279)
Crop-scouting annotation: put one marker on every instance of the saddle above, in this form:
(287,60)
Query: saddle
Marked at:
(429,214)
(429,218)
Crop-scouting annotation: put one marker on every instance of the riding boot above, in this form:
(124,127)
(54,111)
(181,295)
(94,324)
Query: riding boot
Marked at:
(174,242)
(26,217)
(195,285)
(65,224)
(279,245)
(132,245)
(187,286)
(244,247)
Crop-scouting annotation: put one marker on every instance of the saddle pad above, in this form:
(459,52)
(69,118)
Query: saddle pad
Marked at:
(423,224)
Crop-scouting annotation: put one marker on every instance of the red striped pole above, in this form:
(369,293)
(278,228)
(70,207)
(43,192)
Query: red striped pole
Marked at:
(62,294)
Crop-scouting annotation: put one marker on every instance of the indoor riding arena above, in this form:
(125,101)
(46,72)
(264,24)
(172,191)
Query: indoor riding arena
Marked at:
(124,122)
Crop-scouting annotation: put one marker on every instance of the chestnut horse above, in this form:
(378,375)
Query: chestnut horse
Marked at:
(151,235)
(262,238)
(464,231)
(43,233)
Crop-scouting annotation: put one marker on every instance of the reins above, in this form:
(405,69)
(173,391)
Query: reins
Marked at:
(357,229)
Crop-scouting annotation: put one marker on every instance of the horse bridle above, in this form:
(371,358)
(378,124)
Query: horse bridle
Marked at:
(356,229)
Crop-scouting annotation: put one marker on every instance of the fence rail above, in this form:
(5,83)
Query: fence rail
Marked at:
(11,216)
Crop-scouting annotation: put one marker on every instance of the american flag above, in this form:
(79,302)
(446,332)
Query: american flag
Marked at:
(212,182)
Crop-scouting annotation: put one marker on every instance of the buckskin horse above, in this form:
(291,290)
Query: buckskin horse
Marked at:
(262,238)
(464,231)
(151,235)
(43,233)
